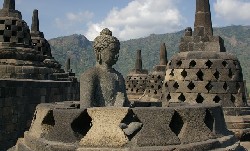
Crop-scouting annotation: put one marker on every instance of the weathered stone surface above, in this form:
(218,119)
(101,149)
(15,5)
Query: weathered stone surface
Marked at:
(42,46)
(105,131)
(35,21)
(136,80)
(9,4)
(135,129)
(212,77)
(205,73)
(38,41)
(154,84)
(77,119)
(102,85)
(135,85)
(195,121)
(67,65)
(163,55)
(38,129)
(156,130)
(23,47)
(66,126)
(18,101)
(138,63)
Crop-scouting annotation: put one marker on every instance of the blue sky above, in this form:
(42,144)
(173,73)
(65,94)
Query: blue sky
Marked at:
(127,19)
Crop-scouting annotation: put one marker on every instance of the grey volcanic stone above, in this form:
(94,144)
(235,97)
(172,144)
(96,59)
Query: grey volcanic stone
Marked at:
(155,130)
(9,4)
(136,79)
(35,21)
(205,73)
(27,48)
(102,85)
(154,83)
(42,46)
(151,129)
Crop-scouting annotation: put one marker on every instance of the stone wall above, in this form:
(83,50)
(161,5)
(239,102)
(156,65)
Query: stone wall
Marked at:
(18,100)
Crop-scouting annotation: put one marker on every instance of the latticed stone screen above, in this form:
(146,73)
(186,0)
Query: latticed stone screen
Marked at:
(14,31)
(205,80)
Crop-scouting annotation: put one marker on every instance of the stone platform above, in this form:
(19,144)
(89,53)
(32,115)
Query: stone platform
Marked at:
(238,121)
(64,126)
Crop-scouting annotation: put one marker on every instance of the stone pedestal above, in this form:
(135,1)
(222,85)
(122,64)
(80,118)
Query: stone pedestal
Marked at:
(64,126)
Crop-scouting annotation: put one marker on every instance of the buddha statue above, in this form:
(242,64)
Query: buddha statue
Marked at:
(102,85)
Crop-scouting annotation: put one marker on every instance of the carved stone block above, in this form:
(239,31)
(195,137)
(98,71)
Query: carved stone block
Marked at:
(202,131)
(110,135)
(156,132)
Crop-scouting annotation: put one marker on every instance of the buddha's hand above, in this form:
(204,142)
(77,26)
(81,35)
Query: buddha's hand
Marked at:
(120,99)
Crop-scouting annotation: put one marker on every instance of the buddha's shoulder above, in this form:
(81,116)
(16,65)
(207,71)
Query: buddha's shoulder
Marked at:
(118,74)
(91,72)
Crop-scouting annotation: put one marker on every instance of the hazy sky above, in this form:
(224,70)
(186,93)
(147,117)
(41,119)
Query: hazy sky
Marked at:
(127,19)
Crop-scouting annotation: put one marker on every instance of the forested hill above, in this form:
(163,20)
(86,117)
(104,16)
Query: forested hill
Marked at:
(79,49)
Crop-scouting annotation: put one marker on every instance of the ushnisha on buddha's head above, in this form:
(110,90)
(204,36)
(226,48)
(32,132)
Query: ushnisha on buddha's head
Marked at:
(106,49)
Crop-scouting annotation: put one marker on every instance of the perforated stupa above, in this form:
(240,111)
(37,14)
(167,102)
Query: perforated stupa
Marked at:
(202,72)
(136,80)
(154,83)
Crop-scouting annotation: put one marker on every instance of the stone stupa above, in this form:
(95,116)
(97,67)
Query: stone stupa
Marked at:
(18,58)
(39,42)
(136,80)
(155,79)
(41,45)
(204,73)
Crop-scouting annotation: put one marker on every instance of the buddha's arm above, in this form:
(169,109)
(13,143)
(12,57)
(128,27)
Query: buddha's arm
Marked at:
(87,86)
(121,98)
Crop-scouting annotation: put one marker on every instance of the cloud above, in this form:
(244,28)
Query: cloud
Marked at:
(73,19)
(139,18)
(233,11)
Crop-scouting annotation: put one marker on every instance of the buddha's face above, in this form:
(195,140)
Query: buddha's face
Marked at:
(110,55)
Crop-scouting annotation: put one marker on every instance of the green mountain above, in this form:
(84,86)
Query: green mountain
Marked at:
(79,49)
(76,47)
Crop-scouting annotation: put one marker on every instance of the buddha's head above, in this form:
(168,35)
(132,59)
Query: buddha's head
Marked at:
(106,48)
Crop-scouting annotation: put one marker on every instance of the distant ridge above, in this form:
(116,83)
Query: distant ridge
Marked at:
(79,48)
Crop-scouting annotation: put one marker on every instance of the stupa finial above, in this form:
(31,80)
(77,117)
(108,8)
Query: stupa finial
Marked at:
(163,54)
(138,63)
(35,21)
(9,4)
(67,65)
(203,22)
